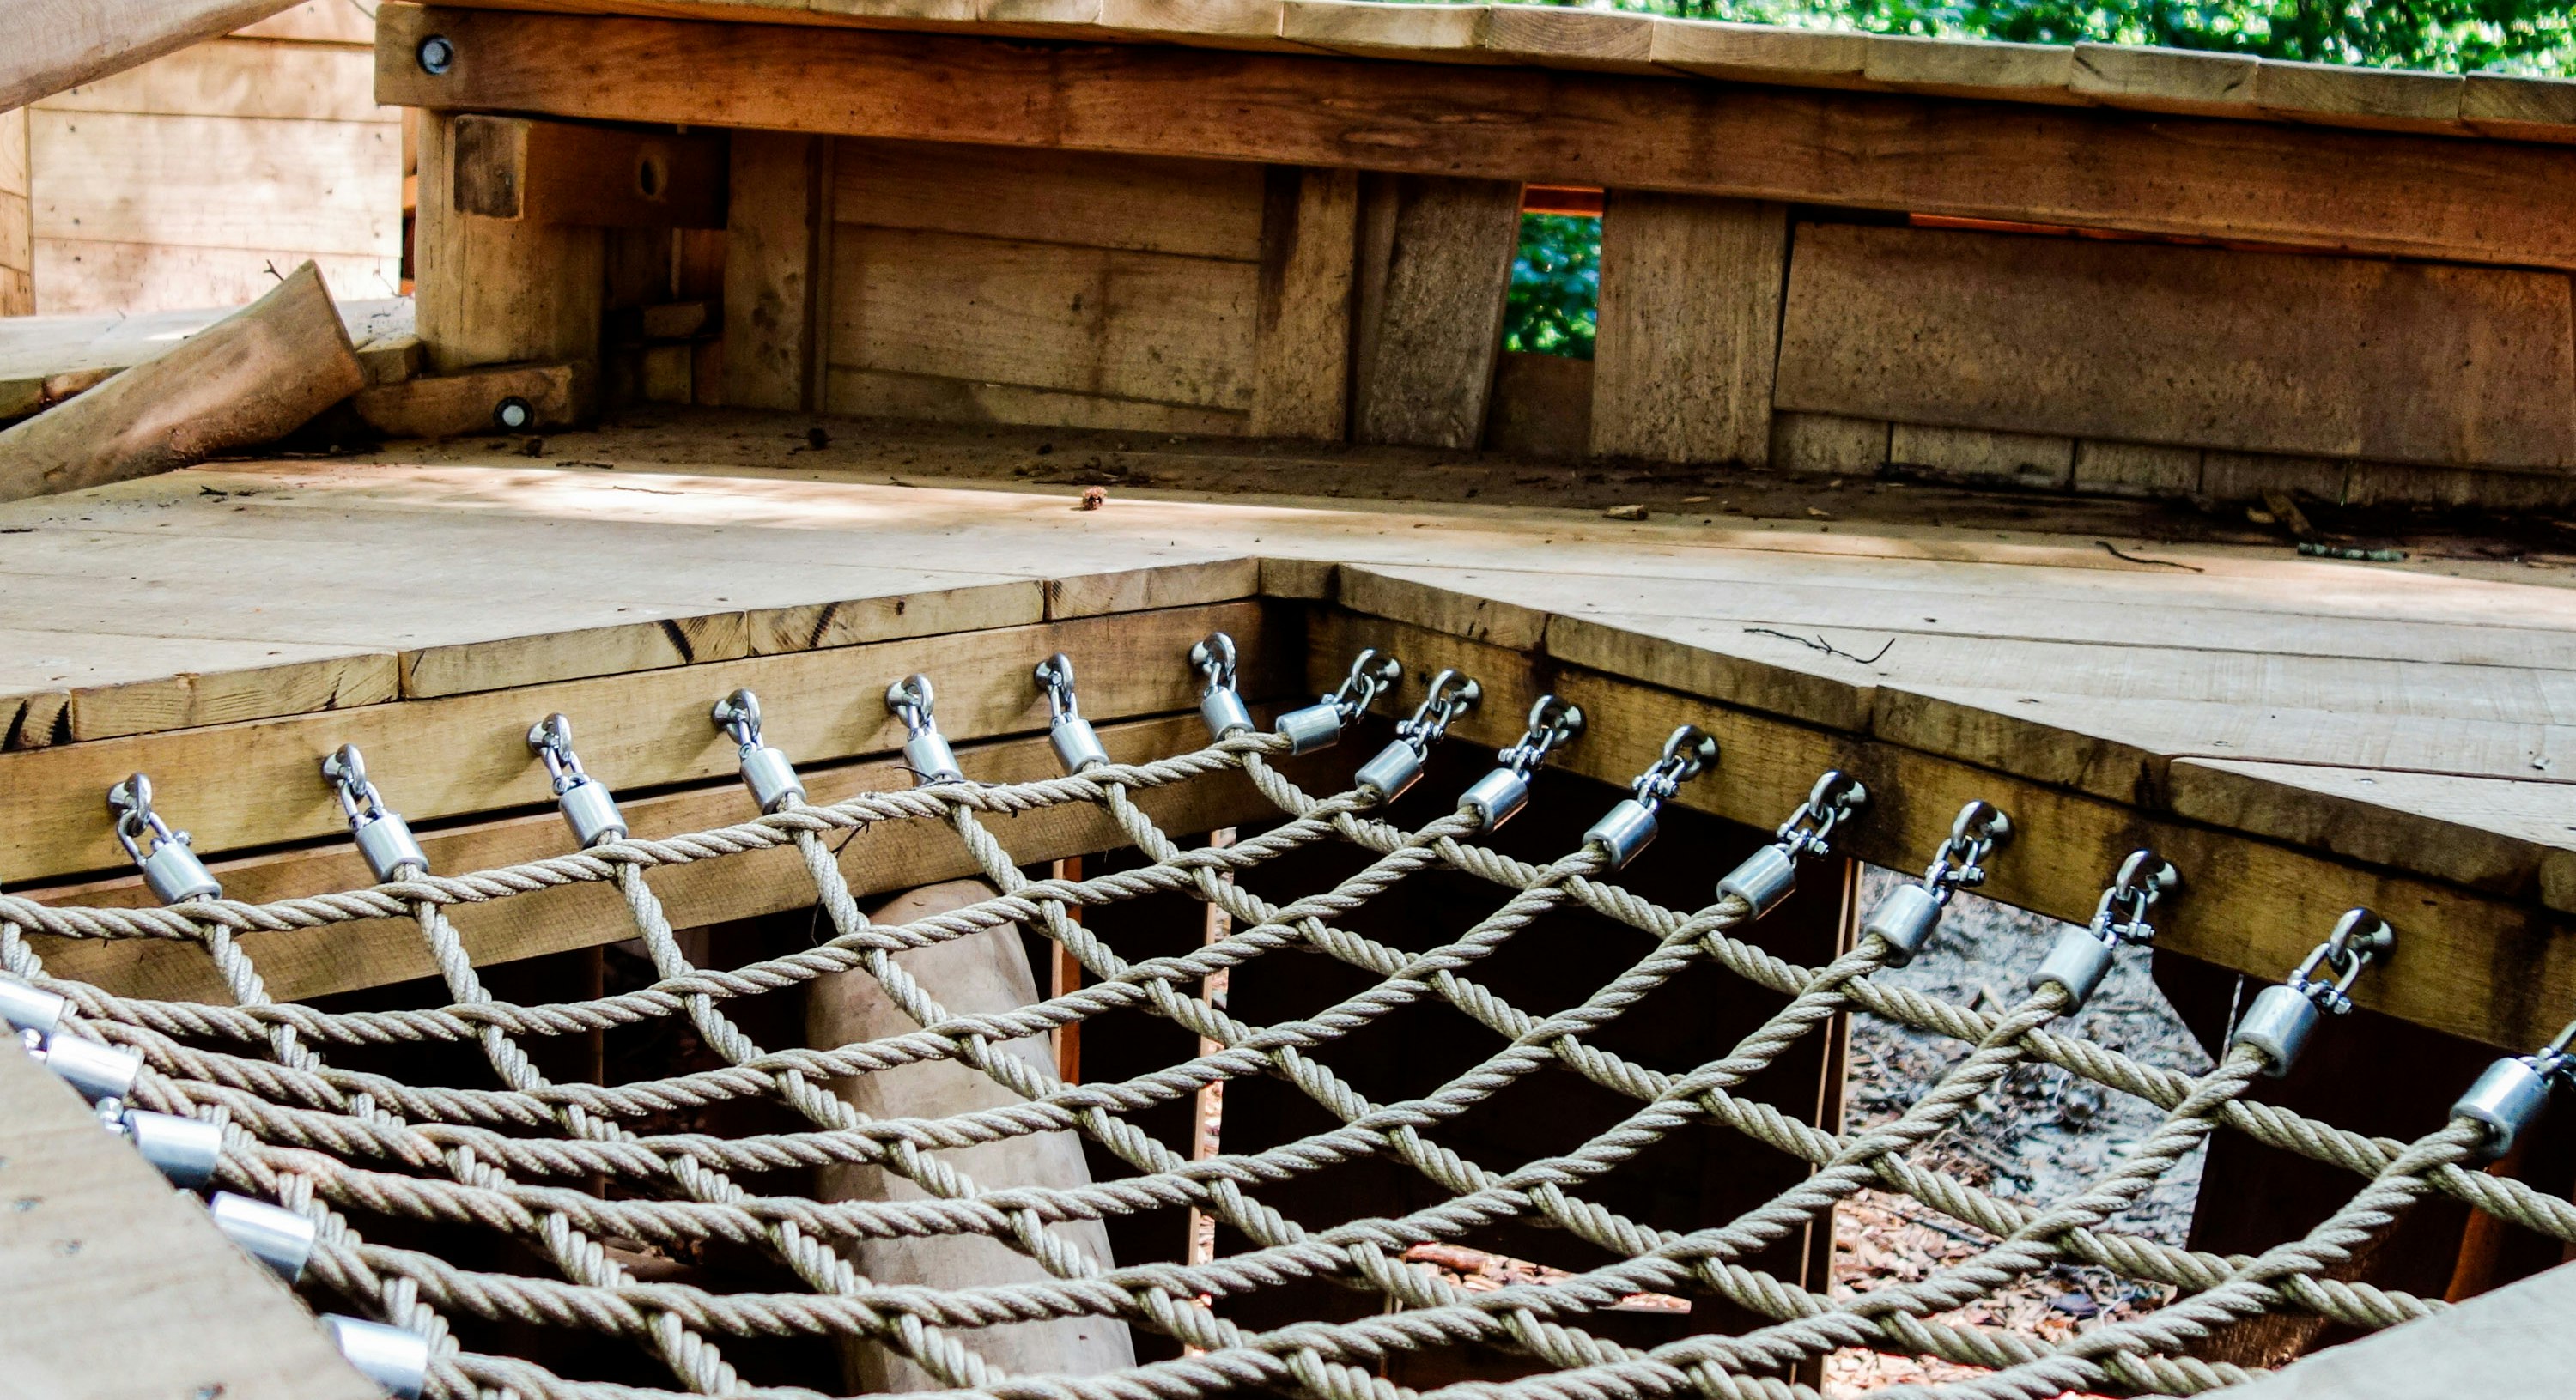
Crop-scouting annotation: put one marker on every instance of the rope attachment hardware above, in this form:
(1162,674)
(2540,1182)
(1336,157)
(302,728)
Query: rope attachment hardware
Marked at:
(584,801)
(766,773)
(925,749)
(1220,704)
(184,1150)
(1077,745)
(1319,726)
(1499,796)
(1398,766)
(273,1235)
(2081,957)
(1626,829)
(2283,1016)
(2513,1092)
(382,835)
(1910,914)
(1769,875)
(393,1358)
(100,1073)
(170,868)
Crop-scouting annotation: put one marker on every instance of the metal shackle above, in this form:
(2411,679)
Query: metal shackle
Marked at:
(925,749)
(1770,874)
(1220,703)
(183,1150)
(2282,1017)
(273,1235)
(171,870)
(1077,746)
(98,1071)
(587,806)
(25,1008)
(1500,795)
(766,774)
(1398,766)
(1910,914)
(1629,827)
(396,1359)
(1319,726)
(2081,957)
(383,838)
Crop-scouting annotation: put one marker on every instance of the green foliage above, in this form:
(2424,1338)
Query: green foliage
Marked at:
(1556,286)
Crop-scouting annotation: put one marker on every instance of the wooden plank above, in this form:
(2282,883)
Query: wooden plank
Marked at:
(315,22)
(1435,265)
(1102,321)
(1603,41)
(1429,33)
(2490,833)
(490,292)
(2029,460)
(2136,469)
(114,684)
(1761,53)
(898,855)
(611,177)
(218,182)
(773,237)
(2511,1344)
(1542,405)
(1972,68)
(82,277)
(17,241)
(2520,108)
(1822,444)
(2342,94)
(2247,351)
(64,43)
(1207,209)
(1302,335)
(1689,328)
(2496,972)
(2187,81)
(95,1234)
(253,784)
(476,401)
(2359,190)
(37,349)
(235,78)
(931,398)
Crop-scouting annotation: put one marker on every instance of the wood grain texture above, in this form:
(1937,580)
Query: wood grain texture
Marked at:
(2361,190)
(236,78)
(938,399)
(112,683)
(2522,109)
(1761,52)
(84,277)
(2164,80)
(610,177)
(774,233)
(493,292)
(2245,351)
(218,182)
(1207,209)
(438,406)
(1436,258)
(2345,95)
(1302,339)
(1972,68)
(59,44)
(2489,833)
(1689,328)
(94,1233)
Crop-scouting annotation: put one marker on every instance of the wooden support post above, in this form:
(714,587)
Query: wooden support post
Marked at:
(492,291)
(1302,345)
(776,221)
(615,177)
(1689,328)
(1064,977)
(1435,264)
(1207,1113)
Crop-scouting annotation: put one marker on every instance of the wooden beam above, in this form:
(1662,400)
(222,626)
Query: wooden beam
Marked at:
(1435,266)
(613,177)
(113,1285)
(1689,328)
(775,221)
(509,399)
(1302,342)
(490,291)
(59,44)
(2422,196)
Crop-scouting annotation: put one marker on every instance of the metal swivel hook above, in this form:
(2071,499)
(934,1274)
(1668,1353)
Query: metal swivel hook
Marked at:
(1907,918)
(766,773)
(1077,746)
(1626,829)
(1770,874)
(2282,1017)
(584,801)
(170,869)
(382,836)
(1220,704)
(1398,766)
(1499,796)
(925,749)
(2081,957)
(1319,726)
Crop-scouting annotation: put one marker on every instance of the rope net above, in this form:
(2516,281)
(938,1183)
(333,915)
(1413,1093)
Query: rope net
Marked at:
(573,1175)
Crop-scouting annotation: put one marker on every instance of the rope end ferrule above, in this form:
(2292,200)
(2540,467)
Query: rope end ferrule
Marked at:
(1320,725)
(766,773)
(397,1360)
(925,749)
(383,838)
(1220,704)
(585,802)
(1627,829)
(171,870)
(1910,915)
(2283,1016)
(1077,745)
(1499,796)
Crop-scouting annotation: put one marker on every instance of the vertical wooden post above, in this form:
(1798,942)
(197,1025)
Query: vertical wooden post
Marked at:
(1302,340)
(773,241)
(1064,976)
(496,291)
(1436,264)
(17,219)
(1207,1115)
(1689,328)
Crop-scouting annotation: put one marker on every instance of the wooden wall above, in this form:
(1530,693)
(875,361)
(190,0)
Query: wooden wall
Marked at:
(180,183)
(17,228)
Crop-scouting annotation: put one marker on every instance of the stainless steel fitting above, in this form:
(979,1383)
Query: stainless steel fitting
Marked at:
(2282,1017)
(1220,704)
(185,1151)
(925,749)
(1769,875)
(1319,726)
(382,836)
(24,1008)
(1626,829)
(170,869)
(1077,745)
(2081,957)
(584,801)
(273,1235)
(766,773)
(397,1360)
(1908,917)
(98,1071)
(1398,766)
(2512,1094)
(1499,796)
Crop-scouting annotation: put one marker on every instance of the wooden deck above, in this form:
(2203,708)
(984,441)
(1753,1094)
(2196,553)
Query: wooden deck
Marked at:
(2301,735)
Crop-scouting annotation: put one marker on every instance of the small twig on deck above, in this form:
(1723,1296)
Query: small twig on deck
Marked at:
(1820,644)
(2116,553)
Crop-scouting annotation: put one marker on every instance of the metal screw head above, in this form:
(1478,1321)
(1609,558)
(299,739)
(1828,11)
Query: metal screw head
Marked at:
(437,54)
(514,413)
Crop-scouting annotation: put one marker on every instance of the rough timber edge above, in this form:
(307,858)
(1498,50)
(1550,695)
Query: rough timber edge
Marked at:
(2483,105)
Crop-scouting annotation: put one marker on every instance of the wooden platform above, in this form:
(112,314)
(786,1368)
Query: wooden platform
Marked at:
(2301,735)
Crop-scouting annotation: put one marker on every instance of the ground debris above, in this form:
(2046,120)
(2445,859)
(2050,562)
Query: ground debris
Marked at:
(1479,1272)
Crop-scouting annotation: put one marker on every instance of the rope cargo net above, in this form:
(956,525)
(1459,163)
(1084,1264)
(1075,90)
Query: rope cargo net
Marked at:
(297,1146)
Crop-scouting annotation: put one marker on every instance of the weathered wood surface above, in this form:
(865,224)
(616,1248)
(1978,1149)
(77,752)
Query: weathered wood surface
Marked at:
(2367,191)
(558,173)
(1302,343)
(1689,328)
(495,291)
(17,225)
(2263,352)
(1435,262)
(112,1285)
(58,44)
(776,223)
(2511,1344)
